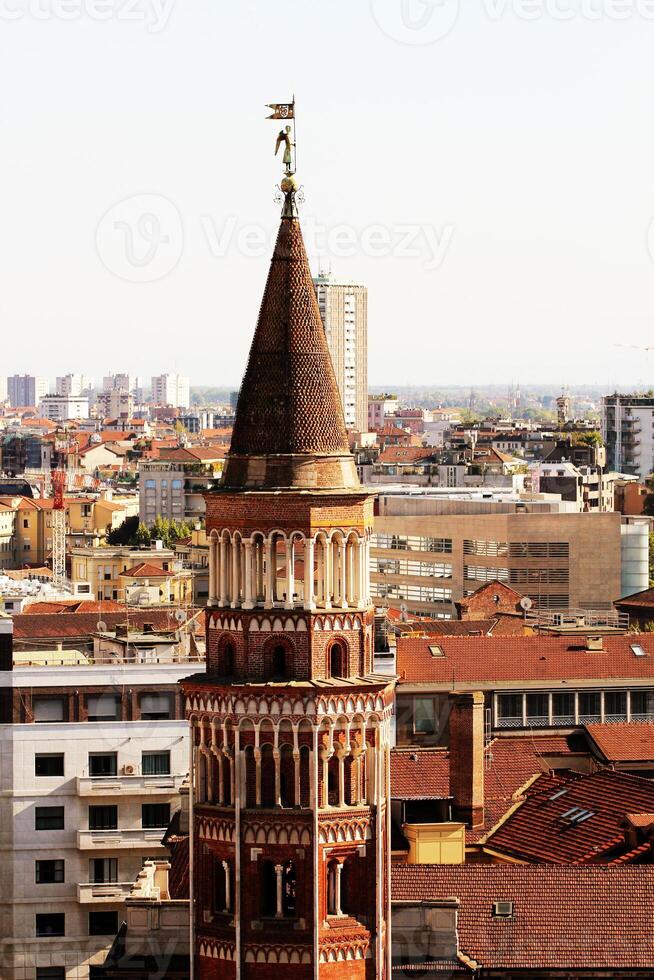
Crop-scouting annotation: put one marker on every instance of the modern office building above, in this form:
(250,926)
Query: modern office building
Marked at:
(344,311)
(26,390)
(431,549)
(628,431)
(94,751)
(171,389)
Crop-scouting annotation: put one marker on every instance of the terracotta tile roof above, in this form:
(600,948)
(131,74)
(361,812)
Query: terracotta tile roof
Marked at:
(624,742)
(406,454)
(56,626)
(492,659)
(539,831)
(289,401)
(588,918)
(147,570)
(644,598)
(191,454)
(73,606)
(419,774)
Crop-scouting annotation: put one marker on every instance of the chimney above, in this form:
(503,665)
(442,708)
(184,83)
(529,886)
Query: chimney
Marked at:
(594,644)
(122,629)
(467,757)
(6,643)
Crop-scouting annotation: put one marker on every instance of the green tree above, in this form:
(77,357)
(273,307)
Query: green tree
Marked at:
(124,533)
(142,536)
(169,531)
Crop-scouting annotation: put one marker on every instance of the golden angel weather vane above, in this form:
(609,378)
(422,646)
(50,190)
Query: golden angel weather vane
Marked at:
(286,140)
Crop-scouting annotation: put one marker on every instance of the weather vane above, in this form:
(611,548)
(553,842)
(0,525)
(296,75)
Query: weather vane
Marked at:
(286,140)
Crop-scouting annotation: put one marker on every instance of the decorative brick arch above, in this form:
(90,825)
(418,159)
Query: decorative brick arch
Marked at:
(338,658)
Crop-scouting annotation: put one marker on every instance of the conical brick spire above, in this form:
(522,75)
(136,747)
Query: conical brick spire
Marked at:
(289,430)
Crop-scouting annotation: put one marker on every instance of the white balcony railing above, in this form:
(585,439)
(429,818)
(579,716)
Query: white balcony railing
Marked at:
(115,891)
(91,840)
(126,785)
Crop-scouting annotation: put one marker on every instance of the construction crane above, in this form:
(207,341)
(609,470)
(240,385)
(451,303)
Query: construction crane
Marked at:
(58,530)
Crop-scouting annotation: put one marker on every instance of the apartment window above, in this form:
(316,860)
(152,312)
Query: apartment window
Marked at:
(487,549)
(50,924)
(537,707)
(615,704)
(479,573)
(51,973)
(424,716)
(48,872)
(155,763)
(103,817)
(103,871)
(177,484)
(155,815)
(156,707)
(150,485)
(49,818)
(563,708)
(642,704)
(26,523)
(49,764)
(49,709)
(103,707)
(509,708)
(103,763)
(589,705)
(103,923)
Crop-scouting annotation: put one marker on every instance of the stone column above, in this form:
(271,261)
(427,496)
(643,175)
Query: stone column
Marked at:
(278,780)
(248,602)
(342,574)
(309,597)
(270,573)
(224,598)
(212,571)
(290,575)
(328,570)
(337,871)
(296,761)
(228,897)
(279,871)
(257,761)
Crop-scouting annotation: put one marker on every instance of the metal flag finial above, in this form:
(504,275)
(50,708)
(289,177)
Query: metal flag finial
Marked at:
(287,141)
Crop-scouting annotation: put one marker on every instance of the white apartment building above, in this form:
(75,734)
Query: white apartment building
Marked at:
(171,389)
(114,404)
(74,385)
(344,311)
(628,432)
(124,383)
(26,389)
(93,753)
(62,408)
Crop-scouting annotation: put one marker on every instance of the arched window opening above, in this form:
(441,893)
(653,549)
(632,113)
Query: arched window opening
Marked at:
(287,776)
(333,781)
(348,887)
(267,776)
(228,660)
(337,666)
(227,781)
(203,778)
(279,662)
(250,777)
(305,775)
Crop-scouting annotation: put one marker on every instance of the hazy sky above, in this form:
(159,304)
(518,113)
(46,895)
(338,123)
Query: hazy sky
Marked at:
(487,171)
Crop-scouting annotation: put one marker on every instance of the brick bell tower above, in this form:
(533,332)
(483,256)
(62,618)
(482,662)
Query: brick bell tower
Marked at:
(290,725)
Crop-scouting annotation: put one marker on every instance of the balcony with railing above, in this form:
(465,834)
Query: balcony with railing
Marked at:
(129,785)
(94,892)
(91,840)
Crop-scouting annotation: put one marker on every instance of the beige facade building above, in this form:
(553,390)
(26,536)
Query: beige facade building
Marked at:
(103,569)
(429,552)
(344,311)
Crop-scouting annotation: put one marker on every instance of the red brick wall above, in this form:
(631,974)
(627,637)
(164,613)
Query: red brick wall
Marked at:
(292,512)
